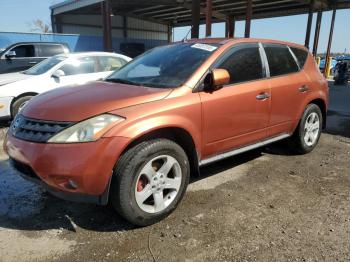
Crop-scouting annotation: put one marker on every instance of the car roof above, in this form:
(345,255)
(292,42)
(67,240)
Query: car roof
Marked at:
(34,43)
(223,41)
(83,54)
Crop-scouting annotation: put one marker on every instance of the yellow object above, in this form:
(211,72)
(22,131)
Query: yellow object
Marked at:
(328,67)
(318,61)
(2,106)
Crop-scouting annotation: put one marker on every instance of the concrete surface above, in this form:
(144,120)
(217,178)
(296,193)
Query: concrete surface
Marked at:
(266,205)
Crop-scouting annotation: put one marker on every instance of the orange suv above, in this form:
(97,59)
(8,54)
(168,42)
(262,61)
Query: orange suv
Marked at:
(135,137)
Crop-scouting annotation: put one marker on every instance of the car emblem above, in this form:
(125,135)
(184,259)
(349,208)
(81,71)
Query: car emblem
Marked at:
(16,123)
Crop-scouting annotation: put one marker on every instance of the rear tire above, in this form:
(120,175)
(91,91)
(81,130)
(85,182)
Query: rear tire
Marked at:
(142,191)
(308,132)
(19,104)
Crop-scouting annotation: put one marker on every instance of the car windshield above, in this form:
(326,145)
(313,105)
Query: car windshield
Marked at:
(45,65)
(164,67)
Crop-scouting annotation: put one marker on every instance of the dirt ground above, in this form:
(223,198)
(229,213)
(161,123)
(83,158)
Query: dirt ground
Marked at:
(265,205)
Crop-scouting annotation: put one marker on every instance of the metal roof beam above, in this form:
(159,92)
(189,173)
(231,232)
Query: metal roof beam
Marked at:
(203,11)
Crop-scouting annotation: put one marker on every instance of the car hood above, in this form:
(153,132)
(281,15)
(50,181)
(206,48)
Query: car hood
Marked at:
(75,103)
(12,77)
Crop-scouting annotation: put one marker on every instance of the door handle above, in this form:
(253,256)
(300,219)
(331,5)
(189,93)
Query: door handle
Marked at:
(263,96)
(303,89)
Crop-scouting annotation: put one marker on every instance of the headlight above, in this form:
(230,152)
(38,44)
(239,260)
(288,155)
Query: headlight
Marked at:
(87,130)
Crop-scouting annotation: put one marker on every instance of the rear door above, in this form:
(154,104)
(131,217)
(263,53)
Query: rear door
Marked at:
(288,84)
(237,114)
(109,64)
(48,50)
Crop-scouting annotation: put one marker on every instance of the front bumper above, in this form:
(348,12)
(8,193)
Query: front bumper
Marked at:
(5,107)
(28,174)
(88,165)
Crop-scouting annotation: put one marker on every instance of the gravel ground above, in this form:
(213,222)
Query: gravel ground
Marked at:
(265,205)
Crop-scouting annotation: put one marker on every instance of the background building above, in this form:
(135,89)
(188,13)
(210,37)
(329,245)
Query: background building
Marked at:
(129,34)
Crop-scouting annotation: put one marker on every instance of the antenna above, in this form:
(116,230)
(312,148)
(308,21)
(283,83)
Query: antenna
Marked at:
(185,38)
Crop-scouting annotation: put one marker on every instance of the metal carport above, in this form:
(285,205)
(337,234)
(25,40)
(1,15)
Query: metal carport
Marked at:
(175,13)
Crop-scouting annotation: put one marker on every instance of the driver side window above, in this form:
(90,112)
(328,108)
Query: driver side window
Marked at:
(24,51)
(243,62)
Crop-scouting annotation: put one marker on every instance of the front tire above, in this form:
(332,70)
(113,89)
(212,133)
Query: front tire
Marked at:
(149,181)
(308,132)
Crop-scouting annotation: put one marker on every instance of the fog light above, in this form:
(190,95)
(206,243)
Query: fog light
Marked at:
(72,184)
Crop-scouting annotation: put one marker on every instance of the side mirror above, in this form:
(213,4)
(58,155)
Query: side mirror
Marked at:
(59,73)
(11,54)
(216,79)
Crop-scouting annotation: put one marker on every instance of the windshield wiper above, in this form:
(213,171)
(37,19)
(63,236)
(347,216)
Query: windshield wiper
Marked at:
(122,81)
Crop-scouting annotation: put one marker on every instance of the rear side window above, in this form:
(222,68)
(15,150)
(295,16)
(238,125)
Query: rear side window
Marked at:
(24,51)
(301,55)
(84,65)
(243,63)
(50,50)
(110,63)
(280,60)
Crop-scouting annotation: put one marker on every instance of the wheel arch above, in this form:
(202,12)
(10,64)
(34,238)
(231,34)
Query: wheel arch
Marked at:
(177,134)
(20,96)
(322,105)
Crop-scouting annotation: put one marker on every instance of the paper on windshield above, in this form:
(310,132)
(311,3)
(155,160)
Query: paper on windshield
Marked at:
(205,47)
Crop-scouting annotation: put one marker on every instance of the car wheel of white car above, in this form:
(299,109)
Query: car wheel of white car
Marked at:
(19,104)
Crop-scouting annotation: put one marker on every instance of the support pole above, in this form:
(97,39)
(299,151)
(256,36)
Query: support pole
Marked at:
(125,26)
(230,26)
(317,33)
(170,31)
(309,24)
(106,11)
(233,26)
(195,18)
(53,23)
(208,18)
(327,67)
(248,18)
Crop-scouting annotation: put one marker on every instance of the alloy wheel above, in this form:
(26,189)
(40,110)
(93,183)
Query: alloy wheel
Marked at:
(312,129)
(158,184)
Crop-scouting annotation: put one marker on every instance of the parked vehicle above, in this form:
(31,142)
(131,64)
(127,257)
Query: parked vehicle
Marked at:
(345,58)
(21,56)
(332,66)
(16,89)
(135,138)
(341,76)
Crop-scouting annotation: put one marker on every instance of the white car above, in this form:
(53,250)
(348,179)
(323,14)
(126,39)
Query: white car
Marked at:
(16,89)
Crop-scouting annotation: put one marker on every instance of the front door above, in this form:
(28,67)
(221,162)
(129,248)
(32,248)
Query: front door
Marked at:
(238,114)
(26,57)
(78,71)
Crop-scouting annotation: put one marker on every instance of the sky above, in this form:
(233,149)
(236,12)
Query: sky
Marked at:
(290,28)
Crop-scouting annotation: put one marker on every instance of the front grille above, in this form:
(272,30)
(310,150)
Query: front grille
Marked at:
(23,169)
(34,130)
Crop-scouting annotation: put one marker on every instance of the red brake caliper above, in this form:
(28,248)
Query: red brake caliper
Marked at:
(141,184)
